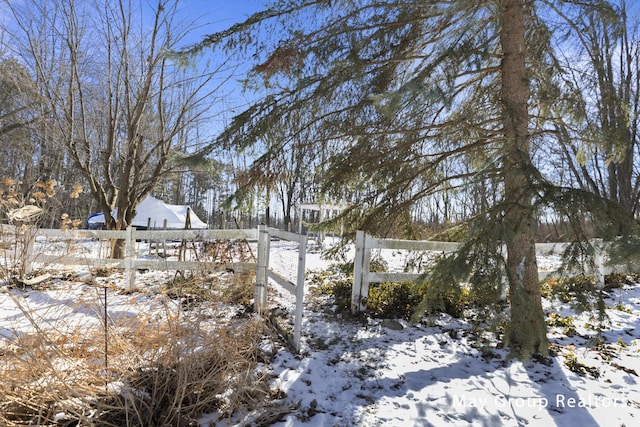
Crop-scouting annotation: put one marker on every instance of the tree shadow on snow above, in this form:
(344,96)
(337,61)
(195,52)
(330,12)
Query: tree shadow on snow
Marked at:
(559,398)
(368,379)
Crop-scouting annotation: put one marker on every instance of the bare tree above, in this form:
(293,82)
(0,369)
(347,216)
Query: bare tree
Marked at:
(18,112)
(599,133)
(286,167)
(118,102)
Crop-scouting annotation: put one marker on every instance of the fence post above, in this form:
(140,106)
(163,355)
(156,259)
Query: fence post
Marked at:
(358,279)
(297,330)
(261,269)
(129,254)
(598,261)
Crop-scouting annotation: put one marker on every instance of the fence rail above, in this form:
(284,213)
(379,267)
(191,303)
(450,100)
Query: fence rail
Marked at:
(131,262)
(366,243)
(362,277)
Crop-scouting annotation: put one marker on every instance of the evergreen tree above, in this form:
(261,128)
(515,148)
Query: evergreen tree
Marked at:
(401,90)
(527,330)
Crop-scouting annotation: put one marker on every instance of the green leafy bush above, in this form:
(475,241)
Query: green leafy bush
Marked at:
(579,288)
(579,291)
(339,289)
(393,300)
(450,299)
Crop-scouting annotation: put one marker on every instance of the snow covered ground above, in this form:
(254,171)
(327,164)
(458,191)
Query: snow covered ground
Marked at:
(368,372)
(372,374)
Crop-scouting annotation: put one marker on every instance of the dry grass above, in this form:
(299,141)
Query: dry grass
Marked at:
(232,288)
(166,369)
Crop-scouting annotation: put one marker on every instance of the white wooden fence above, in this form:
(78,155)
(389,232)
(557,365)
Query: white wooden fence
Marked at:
(132,262)
(264,273)
(365,243)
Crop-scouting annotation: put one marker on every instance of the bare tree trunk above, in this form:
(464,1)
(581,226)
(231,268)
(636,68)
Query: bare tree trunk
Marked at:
(527,331)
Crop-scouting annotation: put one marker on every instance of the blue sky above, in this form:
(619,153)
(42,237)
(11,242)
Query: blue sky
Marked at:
(209,16)
(216,15)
